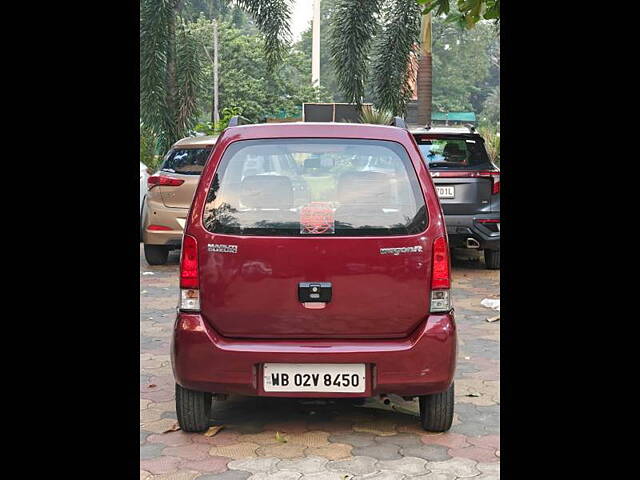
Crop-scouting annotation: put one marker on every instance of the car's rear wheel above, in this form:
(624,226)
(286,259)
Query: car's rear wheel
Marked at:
(193,409)
(492,259)
(156,254)
(436,411)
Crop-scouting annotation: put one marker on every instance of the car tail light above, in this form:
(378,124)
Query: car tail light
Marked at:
(163,181)
(440,277)
(495,180)
(158,227)
(189,282)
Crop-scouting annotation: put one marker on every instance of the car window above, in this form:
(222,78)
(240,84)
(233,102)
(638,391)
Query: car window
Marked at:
(186,161)
(298,187)
(451,152)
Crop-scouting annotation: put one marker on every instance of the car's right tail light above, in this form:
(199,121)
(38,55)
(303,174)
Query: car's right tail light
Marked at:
(440,277)
(494,175)
(189,281)
(163,181)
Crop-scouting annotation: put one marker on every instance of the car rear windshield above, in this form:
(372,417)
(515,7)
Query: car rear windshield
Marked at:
(453,152)
(319,187)
(186,161)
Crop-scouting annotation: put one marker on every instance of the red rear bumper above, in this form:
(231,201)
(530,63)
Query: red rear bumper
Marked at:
(420,364)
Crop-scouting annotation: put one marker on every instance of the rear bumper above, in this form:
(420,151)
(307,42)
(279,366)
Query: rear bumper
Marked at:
(173,218)
(420,364)
(461,227)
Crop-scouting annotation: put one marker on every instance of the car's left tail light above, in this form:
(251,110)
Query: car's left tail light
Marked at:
(440,277)
(189,281)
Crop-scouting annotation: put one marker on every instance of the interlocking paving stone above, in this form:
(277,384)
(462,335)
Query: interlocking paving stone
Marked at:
(478,454)
(282,450)
(381,426)
(235,450)
(406,465)
(228,475)
(171,439)
(357,439)
(276,476)
(436,476)
(211,464)
(150,451)
(448,439)
(432,452)
(334,451)
(179,475)
(493,468)
(162,464)
(144,475)
(400,440)
(303,465)
(381,452)
(460,467)
(382,475)
(308,439)
(356,466)
(328,476)
(255,465)
(188,452)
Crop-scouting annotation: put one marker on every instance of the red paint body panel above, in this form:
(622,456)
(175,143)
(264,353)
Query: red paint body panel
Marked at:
(420,364)
(378,315)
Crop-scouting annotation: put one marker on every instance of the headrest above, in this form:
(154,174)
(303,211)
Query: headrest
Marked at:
(267,191)
(453,151)
(357,188)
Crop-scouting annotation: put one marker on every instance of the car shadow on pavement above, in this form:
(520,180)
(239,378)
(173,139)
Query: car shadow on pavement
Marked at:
(257,414)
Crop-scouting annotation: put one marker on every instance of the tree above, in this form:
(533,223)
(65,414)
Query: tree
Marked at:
(469,12)
(170,71)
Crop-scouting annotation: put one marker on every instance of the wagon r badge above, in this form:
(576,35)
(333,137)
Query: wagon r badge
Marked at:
(216,247)
(399,250)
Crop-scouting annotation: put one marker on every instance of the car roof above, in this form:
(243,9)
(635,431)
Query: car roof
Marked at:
(318,130)
(198,141)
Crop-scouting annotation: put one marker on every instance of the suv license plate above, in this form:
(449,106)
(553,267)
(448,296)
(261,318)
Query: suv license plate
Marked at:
(314,377)
(446,192)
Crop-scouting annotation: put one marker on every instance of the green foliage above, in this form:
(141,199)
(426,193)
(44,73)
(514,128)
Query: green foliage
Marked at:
(397,41)
(375,116)
(492,142)
(170,72)
(351,32)
(148,142)
(272,18)
(491,110)
(465,65)
(214,128)
(244,78)
(468,12)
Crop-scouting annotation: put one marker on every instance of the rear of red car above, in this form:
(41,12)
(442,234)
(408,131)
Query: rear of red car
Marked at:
(315,264)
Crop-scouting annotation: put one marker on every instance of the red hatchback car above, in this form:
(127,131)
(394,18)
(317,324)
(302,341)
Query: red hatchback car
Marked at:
(315,263)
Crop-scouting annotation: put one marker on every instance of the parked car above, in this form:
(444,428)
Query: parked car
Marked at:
(344,293)
(468,184)
(144,174)
(169,196)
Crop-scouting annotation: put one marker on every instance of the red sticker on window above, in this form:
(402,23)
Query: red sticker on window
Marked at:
(317,218)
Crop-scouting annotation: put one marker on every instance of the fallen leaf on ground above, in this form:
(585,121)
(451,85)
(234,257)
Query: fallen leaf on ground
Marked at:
(493,319)
(280,438)
(473,395)
(213,430)
(152,385)
(174,428)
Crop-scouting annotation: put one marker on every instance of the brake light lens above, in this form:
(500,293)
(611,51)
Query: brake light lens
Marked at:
(189,263)
(440,277)
(163,181)
(495,180)
(158,228)
(440,265)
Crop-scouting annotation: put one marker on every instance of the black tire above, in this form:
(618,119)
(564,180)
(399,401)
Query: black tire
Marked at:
(436,411)
(492,259)
(156,254)
(193,409)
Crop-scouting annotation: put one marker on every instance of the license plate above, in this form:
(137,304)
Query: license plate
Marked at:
(314,377)
(446,192)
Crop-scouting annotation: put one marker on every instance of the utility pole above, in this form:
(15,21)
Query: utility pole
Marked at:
(215,116)
(425,73)
(315,45)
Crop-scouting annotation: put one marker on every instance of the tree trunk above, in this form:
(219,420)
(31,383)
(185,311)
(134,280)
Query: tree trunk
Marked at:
(424,89)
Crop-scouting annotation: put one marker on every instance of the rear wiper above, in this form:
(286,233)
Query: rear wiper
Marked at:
(444,164)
